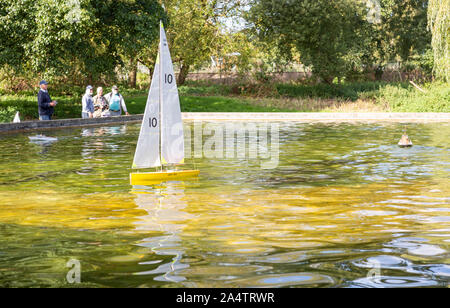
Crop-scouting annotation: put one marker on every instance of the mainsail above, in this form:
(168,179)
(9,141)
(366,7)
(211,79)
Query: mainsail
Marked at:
(161,139)
(172,138)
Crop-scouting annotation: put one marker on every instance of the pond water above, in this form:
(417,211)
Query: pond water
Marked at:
(344,207)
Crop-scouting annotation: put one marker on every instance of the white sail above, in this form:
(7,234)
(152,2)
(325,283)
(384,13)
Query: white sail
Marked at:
(17,118)
(148,147)
(161,139)
(172,138)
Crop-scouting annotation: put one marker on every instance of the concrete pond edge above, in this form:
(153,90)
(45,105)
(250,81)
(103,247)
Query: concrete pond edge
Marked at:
(403,117)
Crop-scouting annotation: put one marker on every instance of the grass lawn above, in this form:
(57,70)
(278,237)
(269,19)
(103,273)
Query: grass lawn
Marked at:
(196,97)
(71,108)
(136,105)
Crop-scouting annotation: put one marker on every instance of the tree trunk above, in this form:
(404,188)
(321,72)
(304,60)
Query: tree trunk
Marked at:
(328,79)
(379,72)
(184,71)
(133,73)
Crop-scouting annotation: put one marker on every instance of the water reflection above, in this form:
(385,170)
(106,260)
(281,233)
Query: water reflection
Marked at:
(101,131)
(43,141)
(164,205)
(335,206)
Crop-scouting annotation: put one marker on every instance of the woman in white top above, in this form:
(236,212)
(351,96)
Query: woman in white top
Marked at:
(87,103)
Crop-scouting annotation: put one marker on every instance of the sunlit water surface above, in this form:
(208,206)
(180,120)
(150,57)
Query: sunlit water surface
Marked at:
(345,207)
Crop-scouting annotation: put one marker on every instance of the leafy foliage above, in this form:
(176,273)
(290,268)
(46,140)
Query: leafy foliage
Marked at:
(74,42)
(80,40)
(7,114)
(338,38)
(439,24)
(409,99)
(194,31)
(322,31)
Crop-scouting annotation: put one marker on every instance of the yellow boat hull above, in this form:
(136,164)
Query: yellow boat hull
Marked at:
(143,178)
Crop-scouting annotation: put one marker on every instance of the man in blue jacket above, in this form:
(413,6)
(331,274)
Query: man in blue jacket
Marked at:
(45,103)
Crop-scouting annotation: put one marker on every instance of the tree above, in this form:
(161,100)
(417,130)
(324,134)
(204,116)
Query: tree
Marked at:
(248,56)
(337,38)
(322,31)
(406,21)
(138,24)
(439,25)
(194,32)
(79,40)
(55,33)
(15,25)
(399,33)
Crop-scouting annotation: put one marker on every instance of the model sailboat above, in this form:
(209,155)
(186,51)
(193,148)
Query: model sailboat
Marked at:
(161,139)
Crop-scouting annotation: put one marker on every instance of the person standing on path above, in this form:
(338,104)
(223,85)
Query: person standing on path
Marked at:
(87,103)
(45,103)
(101,107)
(116,102)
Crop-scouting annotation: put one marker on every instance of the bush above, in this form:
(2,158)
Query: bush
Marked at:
(204,89)
(402,99)
(347,91)
(7,114)
(423,63)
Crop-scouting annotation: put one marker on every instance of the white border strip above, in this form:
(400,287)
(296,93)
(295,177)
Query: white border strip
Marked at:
(318,116)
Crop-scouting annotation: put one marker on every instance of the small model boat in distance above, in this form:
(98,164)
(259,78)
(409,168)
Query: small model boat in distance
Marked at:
(42,138)
(404,141)
(17,117)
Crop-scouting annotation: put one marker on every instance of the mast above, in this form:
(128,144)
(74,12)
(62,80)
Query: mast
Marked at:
(160,93)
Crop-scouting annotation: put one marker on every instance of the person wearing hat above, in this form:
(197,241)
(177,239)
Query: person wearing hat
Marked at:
(45,103)
(116,102)
(87,103)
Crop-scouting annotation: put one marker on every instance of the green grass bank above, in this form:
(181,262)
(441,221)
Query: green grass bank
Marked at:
(245,97)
